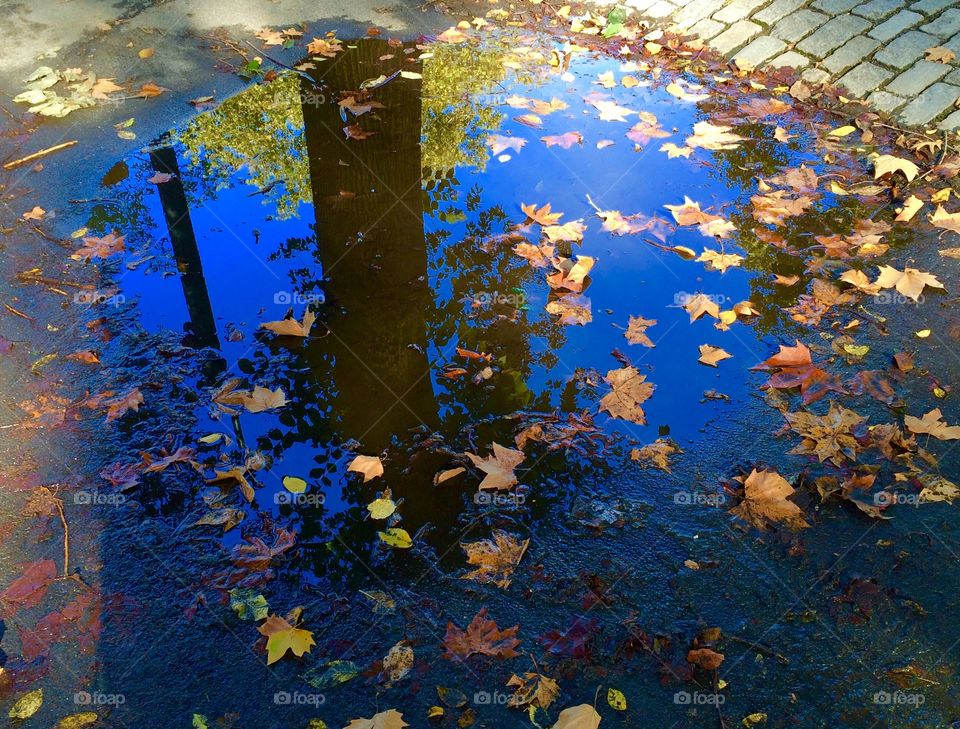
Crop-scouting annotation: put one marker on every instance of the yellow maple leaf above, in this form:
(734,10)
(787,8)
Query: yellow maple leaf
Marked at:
(283,637)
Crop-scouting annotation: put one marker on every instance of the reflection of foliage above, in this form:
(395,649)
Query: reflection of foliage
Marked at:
(261,130)
(455,123)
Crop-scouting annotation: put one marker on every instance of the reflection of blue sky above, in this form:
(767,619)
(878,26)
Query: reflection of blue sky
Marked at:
(630,277)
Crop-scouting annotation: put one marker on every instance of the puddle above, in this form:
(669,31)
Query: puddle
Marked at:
(402,243)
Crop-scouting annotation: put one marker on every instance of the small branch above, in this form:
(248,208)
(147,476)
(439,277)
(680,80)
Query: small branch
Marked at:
(760,648)
(66,537)
(37,155)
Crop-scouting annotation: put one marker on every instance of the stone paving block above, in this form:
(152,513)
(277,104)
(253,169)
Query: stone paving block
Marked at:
(759,50)
(660,9)
(953,44)
(945,25)
(885,101)
(879,9)
(864,78)
(954,77)
(932,7)
(737,10)
(833,35)
(930,104)
(916,78)
(905,49)
(835,7)
(794,27)
(815,76)
(790,59)
(696,11)
(798,25)
(850,54)
(777,10)
(951,122)
(735,36)
(707,28)
(640,5)
(895,25)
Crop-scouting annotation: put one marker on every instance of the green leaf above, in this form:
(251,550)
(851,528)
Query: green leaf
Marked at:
(199,721)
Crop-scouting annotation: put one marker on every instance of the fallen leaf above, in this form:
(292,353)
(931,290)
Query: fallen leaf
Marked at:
(483,637)
(370,466)
(932,424)
(541,215)
(396,537)
(710,355)
(583,716)
(706,658)
(533,689)
(117,407)
(283,637)
(27,705)
(94,247)
(939,54)
(565,140)
(290,327)
(495,559)
(910,282)
(699,305)
(262,398)
(324,47)
(498,467)
(911,207)
(765,498)
(657,454)
(887,164)
(636,332)
(391,719)
(629,391)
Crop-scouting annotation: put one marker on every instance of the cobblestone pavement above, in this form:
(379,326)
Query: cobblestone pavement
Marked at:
(874,48)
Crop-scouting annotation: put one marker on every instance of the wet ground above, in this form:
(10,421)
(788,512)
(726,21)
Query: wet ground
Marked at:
(396,219)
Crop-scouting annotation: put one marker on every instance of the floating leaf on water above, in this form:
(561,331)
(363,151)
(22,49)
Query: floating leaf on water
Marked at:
(396,537)
(616,699)
(76,721)
(332,674)
(27,705)
(381,508)
(294,485)
(248,604)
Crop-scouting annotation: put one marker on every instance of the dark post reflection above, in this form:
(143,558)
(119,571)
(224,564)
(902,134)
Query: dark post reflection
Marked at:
(369,226)
(180,229)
